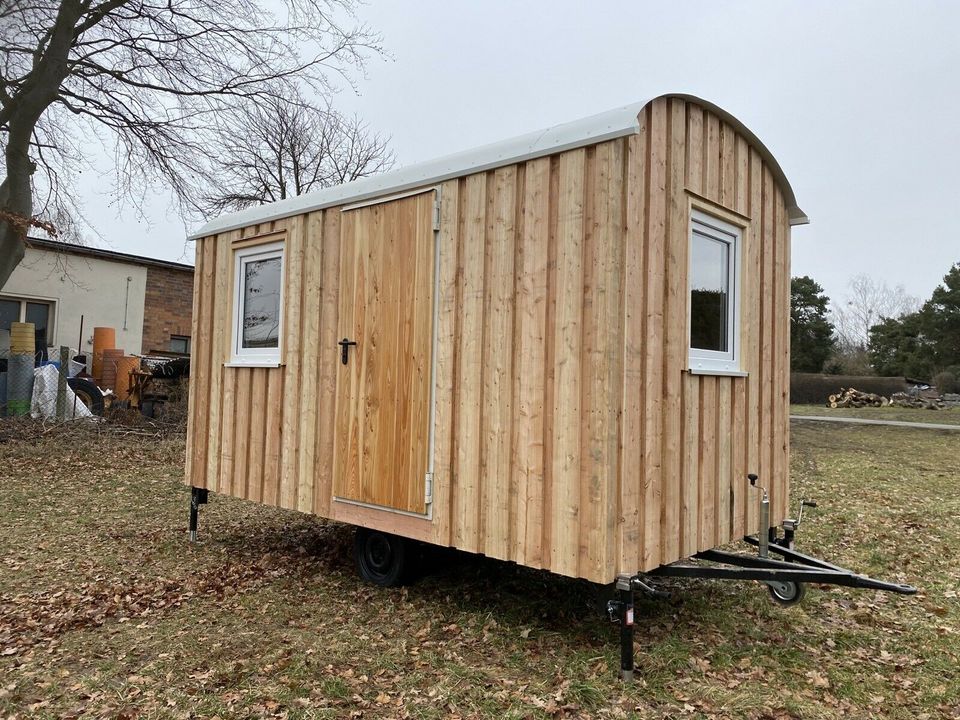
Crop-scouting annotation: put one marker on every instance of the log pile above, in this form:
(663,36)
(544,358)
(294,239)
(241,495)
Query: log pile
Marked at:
(851,397)
(915,401)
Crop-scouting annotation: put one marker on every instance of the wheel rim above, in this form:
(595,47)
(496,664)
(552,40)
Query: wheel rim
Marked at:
(85,399)
(378,554)
(784,590)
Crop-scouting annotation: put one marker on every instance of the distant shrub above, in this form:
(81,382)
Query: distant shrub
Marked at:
(946,382)
(807,388)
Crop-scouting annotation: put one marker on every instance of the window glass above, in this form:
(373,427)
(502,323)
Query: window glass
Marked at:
(39,315)
(261,303)
(9,313)
(709,293)
(180,344)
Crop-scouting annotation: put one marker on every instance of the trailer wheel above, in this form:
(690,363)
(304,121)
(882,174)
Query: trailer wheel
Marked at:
(787,593)
(381,558)
(88,393)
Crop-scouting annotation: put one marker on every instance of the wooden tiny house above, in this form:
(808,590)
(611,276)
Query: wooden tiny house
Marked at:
(570,348)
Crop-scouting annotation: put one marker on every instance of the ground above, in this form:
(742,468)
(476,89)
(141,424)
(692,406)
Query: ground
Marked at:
(945,416)
(107,611)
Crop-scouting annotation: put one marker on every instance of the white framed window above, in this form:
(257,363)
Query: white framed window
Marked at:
(258,305)
(38,312)
(714,301)
(179,344)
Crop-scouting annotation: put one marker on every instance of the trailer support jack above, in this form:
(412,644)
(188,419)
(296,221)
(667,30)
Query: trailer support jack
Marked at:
(620,611)
(198,497)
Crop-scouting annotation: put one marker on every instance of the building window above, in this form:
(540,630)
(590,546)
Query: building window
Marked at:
(180,344)
(258,299)
(714,294)
(32,311)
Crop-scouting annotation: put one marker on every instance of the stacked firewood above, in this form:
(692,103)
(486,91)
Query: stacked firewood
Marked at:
(851,397)
(902,399)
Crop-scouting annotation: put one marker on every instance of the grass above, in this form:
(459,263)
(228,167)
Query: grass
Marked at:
(106,610)
(945,416)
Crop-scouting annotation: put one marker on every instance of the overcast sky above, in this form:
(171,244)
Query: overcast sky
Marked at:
(859,102)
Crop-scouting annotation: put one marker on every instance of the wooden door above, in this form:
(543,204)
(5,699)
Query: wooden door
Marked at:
(383,392)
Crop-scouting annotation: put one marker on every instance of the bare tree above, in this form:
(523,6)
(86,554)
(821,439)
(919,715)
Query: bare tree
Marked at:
(149,79)
(282,148)
(868,303)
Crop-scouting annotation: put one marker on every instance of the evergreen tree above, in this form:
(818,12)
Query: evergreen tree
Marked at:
(811,333)
(923,343)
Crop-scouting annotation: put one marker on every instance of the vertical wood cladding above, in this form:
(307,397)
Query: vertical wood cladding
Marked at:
(569,434)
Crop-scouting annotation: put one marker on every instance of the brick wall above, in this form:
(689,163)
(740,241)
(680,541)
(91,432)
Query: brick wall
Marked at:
(167,307)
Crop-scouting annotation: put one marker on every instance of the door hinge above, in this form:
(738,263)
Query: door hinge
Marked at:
(428,484)
(436,214)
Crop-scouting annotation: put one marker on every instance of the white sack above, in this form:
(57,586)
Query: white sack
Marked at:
(44,401)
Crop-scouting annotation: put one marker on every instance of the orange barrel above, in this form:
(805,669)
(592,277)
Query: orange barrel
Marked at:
(108,368)
(23,338)
(125,365)
(103,338)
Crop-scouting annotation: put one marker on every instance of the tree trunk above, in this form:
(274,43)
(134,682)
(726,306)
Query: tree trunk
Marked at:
(21,113)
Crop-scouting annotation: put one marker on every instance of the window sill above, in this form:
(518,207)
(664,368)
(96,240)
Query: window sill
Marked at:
(721,373)
(254,364)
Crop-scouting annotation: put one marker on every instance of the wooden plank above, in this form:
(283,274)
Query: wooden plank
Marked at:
(742,190)
(630,536)
(549,362)
(194,469)
(227,435)
(708,462)
(346,477)
(466,529)
(446,361)
(766,334)
(740,430)
(695,148)
(241,432)
(328,360)
(418,382)
(724,438)
(291,334)
(728,166)
(654,331)
(564,549)
(752,277)
(273,439)
(690,472)
(312,350)
(531,319)
(497,392)
(600,358)
(711,158)
(380,314)
(785,364)
(738,479)
(221,281)
(258,424)
(781,358)
(675,345)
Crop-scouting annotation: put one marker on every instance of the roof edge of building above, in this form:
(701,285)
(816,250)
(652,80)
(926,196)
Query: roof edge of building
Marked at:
(110,255)
(619,122)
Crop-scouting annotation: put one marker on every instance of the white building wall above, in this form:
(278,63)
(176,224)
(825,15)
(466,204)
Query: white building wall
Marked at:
(104,292)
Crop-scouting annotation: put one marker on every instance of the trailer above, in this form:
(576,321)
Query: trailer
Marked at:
(568,350)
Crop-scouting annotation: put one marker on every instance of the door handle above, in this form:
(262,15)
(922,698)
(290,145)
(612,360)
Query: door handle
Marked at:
(345,348)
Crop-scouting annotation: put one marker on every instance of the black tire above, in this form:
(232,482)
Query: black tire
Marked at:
(381,558)
(787,593)
(88,393)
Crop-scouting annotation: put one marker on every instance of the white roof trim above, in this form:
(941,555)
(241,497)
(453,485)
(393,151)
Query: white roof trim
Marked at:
(587,131)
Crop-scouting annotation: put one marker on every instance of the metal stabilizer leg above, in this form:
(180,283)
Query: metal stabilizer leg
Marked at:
(621,612)
(198,497)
